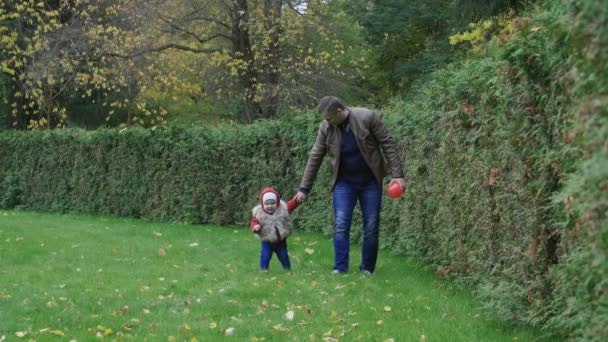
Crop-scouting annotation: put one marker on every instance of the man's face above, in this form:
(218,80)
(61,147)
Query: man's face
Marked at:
(334,119)
(270,206)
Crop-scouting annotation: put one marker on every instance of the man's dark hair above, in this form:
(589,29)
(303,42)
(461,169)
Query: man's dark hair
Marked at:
(330,104)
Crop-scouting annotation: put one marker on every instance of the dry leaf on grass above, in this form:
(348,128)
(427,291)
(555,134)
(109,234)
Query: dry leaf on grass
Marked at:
(57,332)
(280,327)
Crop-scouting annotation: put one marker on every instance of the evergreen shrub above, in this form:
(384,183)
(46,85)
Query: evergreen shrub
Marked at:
(508,162)
(197,175)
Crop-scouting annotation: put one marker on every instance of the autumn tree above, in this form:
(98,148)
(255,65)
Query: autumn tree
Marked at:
(28,35)
(254,50)
(55,51)
(119,58)
(407,40)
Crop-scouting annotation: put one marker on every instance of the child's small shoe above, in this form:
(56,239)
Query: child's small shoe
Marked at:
(264,270)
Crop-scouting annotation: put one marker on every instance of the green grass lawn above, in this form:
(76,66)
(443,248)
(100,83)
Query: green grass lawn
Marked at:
(69,277)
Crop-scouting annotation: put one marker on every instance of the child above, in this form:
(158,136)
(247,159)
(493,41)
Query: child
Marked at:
(271,224)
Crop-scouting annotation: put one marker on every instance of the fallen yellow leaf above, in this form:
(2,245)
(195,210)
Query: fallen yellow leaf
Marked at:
(280,327)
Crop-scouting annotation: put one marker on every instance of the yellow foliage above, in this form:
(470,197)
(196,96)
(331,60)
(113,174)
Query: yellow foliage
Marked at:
(479,30)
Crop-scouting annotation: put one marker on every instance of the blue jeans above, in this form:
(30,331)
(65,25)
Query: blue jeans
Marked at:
(345,198)
(280,249)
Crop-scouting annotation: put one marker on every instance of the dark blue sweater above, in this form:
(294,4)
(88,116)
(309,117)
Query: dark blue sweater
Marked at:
(353,167)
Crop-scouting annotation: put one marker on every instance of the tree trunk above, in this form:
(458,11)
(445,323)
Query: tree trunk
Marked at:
(241,46)
(5,111)
(19,121)
(272,55)
(17,117)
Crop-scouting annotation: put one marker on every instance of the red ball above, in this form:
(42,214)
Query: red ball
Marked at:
(394,190)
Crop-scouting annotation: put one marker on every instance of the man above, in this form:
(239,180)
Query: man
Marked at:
(361,152)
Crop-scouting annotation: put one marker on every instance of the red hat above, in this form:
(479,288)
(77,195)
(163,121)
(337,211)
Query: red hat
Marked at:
(269,190)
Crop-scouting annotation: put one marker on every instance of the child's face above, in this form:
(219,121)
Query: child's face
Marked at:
(270,206)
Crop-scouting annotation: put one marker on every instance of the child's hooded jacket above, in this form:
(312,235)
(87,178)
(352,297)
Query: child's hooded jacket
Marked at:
(276,226)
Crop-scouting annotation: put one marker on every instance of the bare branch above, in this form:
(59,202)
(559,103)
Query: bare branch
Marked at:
(194,15)
(213,20)
(192,34)
(162,48)
(296,7)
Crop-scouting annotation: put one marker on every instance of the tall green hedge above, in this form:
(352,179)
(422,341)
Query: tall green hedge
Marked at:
(508,158)
(506,154)
(186,175)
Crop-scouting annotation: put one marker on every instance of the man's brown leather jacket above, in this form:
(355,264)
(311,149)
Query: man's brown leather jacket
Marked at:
(375,143)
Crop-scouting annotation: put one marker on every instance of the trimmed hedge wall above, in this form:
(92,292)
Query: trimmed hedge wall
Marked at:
(187,175)
(508,158)
(506,154)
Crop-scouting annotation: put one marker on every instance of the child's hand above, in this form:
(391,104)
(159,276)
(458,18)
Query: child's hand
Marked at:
(257,228)
(300,197)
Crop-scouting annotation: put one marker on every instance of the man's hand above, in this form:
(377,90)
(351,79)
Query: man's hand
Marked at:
(257,228)
(301,197)
(401,181)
